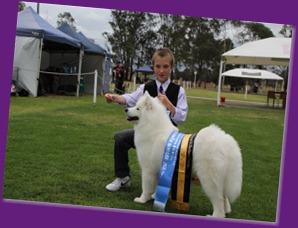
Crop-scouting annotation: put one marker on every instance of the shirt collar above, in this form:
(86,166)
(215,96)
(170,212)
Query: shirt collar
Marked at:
(164,85)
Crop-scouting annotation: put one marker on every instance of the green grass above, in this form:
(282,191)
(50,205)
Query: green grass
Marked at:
(60,150)
(212,93)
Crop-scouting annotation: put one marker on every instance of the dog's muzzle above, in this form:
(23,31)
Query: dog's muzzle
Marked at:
(131,118)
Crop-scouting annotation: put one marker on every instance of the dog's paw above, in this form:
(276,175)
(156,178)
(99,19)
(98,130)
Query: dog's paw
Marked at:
(140,200)
(153,196)
(228,211)
(216,215)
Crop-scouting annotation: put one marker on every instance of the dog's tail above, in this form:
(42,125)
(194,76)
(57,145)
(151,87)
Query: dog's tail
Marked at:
(233,183)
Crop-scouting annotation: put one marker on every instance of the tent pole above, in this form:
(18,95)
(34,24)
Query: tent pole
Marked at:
(95,88)
(104,74)
(275,86)
(134,82)
(79,72)
(39,62)
(223,77)
(219,82)
(245,96)
(223,81)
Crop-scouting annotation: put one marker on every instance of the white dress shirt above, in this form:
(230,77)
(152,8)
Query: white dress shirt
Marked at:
(181,108)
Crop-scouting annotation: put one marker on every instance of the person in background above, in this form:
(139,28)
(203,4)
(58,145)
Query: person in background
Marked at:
(119,78)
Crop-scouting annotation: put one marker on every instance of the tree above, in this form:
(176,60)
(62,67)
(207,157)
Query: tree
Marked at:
(132,37)
(224,28)
(286,31)
(171,33)
(198,49)
(66,17)
(254,31)
(259,30)
(21,6)
(195,41)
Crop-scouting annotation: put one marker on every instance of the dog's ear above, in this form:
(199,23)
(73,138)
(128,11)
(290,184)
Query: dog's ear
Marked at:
(146,94)
(148,101)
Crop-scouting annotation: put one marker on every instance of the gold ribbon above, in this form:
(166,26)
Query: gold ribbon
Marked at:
(179,204)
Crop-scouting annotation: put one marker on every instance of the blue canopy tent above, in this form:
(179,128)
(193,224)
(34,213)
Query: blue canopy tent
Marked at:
(107,65)
(36,40)
(106,76)
(30,24)
(94,59)
(145,69)
(90,47)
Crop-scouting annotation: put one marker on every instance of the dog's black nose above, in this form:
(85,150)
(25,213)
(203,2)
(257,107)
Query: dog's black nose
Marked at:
(126,110)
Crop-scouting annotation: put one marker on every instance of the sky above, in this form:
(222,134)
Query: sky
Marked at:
(92,22)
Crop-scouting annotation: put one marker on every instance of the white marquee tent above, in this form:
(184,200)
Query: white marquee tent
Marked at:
(271,51)
(252,74)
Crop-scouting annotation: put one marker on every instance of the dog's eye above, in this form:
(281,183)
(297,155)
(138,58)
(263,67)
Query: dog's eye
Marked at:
(138,109)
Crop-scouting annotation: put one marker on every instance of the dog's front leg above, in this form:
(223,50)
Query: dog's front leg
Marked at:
(153,195)
(148,187)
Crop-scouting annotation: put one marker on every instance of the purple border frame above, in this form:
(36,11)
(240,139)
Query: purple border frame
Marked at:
(22,214)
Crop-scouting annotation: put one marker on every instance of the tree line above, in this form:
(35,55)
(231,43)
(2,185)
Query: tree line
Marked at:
(197,42)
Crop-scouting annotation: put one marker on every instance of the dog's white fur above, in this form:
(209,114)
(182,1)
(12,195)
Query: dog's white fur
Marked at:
(217,160)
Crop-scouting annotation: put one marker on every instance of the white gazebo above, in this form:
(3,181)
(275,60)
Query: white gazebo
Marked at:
(252,74)
(271,51)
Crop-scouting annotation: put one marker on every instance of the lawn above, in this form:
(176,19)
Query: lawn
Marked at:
(60,150)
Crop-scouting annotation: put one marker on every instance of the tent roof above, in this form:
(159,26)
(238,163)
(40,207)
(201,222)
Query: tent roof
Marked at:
(89,46)
(30,24)
(92,47)
(145,69)
(269,51)
(251,73)
(109,54)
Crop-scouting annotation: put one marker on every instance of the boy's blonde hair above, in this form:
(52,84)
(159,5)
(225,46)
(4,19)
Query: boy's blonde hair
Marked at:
(162,52)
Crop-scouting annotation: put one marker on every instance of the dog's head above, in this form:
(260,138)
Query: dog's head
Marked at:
(145,104)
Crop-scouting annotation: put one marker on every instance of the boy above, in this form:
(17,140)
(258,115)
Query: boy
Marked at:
(172,96)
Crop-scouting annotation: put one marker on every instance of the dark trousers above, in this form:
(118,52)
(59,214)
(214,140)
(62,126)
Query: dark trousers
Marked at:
(119,87)
(124,140)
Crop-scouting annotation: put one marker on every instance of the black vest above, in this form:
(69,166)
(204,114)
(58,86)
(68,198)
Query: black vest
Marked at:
(171,92)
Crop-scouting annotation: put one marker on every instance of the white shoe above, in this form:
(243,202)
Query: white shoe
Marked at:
(118,183)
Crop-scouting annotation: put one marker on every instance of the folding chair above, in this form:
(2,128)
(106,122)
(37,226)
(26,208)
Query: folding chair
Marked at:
(283,97)
(271,95)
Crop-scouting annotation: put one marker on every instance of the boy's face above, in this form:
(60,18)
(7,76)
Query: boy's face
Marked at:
(162,68)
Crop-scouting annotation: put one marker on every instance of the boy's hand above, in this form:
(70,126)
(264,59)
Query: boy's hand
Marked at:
(109,97)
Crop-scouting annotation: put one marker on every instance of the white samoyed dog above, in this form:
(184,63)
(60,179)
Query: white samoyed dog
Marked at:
(217,160)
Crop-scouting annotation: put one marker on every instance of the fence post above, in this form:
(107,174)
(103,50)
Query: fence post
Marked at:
(95,88)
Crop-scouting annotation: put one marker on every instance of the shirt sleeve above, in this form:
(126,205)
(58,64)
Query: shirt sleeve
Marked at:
(181,108)
(132,98)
